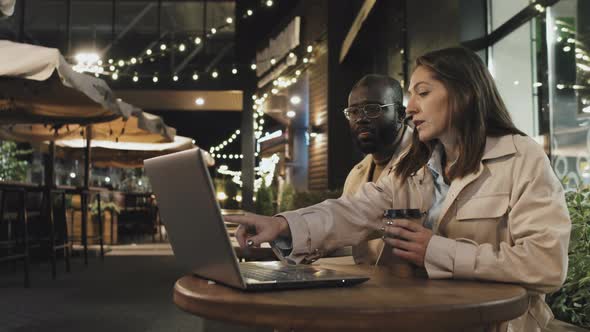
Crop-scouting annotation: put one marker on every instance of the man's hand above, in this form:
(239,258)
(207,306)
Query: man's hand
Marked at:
(408,239)
(254,229)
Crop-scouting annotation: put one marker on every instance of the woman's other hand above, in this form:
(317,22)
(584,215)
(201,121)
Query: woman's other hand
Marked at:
(254,229)
(408,239)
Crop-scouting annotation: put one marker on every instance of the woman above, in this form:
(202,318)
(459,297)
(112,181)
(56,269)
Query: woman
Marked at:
(493,208)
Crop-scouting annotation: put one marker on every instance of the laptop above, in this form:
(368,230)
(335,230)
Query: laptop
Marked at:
(199,238)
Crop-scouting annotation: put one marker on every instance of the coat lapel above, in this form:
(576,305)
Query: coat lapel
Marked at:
(454,190)
(496,147)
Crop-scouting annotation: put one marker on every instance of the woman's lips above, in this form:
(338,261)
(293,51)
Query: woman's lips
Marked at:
(417,123)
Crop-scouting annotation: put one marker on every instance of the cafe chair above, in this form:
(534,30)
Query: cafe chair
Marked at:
(58,240)
(14,241)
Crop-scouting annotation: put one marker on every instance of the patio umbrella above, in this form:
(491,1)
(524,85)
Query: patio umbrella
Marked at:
(125,154)
(38,86)
(42,97)
(140,127)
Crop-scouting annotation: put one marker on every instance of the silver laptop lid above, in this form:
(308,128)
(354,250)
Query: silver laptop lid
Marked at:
(188,208)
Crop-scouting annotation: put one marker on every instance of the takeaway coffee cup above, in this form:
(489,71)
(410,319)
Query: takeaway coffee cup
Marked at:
(398,266)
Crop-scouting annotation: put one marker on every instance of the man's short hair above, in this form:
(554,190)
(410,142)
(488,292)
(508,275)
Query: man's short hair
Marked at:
(377,80)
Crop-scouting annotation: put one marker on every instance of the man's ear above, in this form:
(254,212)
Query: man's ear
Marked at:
(401,113)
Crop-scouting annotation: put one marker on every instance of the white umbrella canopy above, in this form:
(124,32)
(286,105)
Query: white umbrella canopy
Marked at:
(140,127)
(37,85)
(125,154)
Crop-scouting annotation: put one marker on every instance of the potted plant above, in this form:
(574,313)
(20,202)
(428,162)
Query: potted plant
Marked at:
(571,303)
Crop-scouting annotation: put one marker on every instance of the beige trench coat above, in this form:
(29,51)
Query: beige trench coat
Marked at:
(507,222)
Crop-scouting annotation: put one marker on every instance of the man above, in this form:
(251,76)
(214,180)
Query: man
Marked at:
(376,115)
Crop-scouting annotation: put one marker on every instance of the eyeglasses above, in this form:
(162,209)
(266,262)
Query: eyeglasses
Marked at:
(370,111)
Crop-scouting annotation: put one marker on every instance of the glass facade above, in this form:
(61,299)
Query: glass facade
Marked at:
(568,35)
(542,70)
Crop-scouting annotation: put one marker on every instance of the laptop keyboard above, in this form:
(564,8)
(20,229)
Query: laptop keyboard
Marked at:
(286,273)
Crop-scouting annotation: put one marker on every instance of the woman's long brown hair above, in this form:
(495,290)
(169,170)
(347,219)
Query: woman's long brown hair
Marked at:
(477,111)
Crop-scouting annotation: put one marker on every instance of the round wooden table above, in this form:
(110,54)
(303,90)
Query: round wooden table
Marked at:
(382,303)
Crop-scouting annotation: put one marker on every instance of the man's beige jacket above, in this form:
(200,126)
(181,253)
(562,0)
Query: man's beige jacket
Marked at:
(368,251)
(507,222)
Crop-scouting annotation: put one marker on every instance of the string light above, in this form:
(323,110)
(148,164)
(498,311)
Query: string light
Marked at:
(195,77)
(175,78)
(155,79)
(197,40)
(182,47)
(214,74)
(264,171)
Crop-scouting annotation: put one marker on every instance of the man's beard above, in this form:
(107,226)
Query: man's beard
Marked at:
(382,137)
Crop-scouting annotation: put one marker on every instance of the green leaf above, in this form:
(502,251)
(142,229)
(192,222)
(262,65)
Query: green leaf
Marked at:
(571,302)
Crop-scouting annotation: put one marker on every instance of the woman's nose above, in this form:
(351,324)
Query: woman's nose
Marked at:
(411,107)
